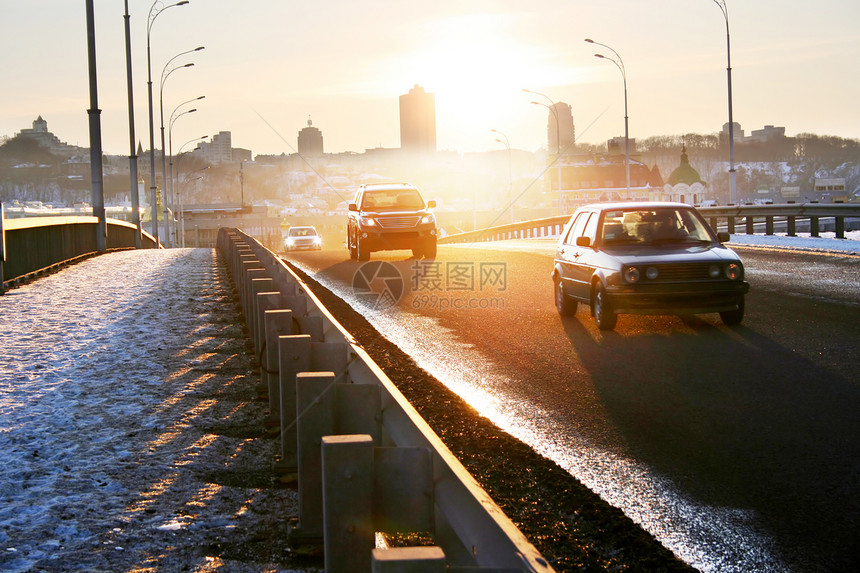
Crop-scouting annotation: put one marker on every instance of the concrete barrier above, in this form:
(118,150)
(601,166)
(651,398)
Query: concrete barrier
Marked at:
(38,245)
(346,430)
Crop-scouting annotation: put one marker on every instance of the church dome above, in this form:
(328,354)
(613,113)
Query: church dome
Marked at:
(684,173)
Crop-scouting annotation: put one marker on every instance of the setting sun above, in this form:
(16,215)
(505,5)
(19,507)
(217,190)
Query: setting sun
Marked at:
(476,65)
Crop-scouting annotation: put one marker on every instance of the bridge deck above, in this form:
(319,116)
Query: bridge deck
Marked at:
(129,418)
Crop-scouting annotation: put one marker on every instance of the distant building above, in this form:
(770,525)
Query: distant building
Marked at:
(40,134)
(684,183)
(418,121)
(587,178)
(219,150)
(310,141)
(560,133)
(767,133)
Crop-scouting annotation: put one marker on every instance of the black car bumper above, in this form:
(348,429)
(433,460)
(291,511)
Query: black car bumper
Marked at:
(685,298)
(396,240)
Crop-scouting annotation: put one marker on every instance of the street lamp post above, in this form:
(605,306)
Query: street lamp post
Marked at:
(181,200)
(171,191)
(132,156)
(732,188)
(619,63)
(153,14)
(554,112)
(507,145)
(165,73)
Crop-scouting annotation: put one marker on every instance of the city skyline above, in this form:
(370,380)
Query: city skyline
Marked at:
(267,67)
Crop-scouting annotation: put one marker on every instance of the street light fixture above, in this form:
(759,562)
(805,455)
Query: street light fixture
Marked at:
(619,63)
(165,73)
(181,201)
(554,112)
(732,188)
(171,195)
(153,14)
(507,145)
(132,155)
(169,187)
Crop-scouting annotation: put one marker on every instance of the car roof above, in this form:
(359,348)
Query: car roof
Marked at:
(633,205)
(369,186)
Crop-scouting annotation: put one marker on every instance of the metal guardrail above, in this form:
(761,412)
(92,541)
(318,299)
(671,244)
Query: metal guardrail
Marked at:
(36,245)
(727,216)
(365,460)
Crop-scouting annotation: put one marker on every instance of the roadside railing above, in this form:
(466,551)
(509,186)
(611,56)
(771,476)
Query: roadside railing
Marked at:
(811,215)
(36,245)
(365,461)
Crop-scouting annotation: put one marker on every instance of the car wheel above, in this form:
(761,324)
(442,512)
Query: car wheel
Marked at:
(430,250)
(602,310)
(353,252)
(565,305)
(362,253)
(733,317)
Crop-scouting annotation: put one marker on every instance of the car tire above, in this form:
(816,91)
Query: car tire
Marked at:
(363,254)
(565,305)
(601,309)
(733,317)
(353,252)
(430,250)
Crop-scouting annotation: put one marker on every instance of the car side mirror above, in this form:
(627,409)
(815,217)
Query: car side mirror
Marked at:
(723,237)
(431,203)
(583,241)
(353,207)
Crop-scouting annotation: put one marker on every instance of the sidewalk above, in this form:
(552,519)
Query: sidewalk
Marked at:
(131,436)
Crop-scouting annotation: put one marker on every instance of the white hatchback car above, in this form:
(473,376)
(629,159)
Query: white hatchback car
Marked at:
(302,238)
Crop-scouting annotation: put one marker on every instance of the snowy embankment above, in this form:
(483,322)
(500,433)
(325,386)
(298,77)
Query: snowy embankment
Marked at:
(131,433)
(827,242)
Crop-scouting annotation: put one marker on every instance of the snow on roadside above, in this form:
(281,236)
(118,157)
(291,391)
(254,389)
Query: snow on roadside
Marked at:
(129,418)
(826,242)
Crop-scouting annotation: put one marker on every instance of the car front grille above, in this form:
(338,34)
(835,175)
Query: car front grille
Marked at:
(399,222)
(682,272)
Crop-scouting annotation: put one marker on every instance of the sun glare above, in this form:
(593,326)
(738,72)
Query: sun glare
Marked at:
(476,65)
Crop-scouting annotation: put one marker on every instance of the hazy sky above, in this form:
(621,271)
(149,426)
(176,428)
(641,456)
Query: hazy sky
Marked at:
(270,64)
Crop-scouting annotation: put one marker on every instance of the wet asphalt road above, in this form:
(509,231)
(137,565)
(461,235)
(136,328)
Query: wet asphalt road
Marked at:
(762,419)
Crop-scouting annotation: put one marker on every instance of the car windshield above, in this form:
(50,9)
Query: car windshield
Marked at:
(303,232)
(654,226)
(392,200)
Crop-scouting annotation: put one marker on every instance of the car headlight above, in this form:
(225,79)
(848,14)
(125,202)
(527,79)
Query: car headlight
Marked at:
(652,273)
(427,219)
(734,272)
(291,241)
(317,240)
(368,221)
(631,274)
(714,271)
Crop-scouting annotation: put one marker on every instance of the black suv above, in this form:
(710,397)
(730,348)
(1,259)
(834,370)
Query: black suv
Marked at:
(390,216)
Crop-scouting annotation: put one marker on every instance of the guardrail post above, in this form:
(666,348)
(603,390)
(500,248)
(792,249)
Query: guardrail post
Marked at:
(409,560)
(257,286)
(294,356)
(813,226)
(840,230)
(315,398)
(730,224)
(403,490)
(791,226)
(347,494)
(278,322)
(768,225)
(750,225)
